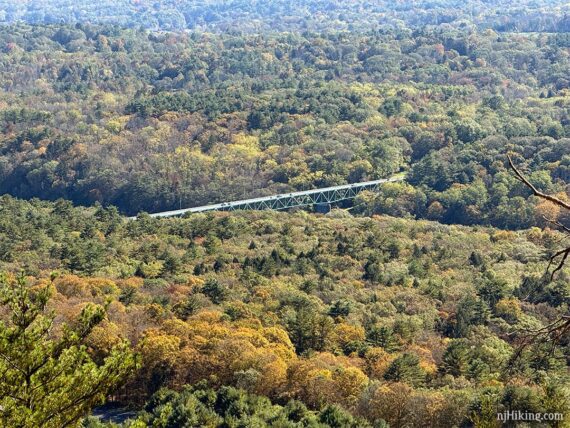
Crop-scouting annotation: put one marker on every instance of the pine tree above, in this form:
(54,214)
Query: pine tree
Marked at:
(456,358)
(406,368)
(47,378)
(476,259)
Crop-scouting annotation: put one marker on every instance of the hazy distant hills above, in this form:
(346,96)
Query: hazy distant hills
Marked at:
(283,15)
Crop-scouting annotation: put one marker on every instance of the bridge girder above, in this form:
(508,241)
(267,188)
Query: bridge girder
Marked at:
(283,202)
(328,195)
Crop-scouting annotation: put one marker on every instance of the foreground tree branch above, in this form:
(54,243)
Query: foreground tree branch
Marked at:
(535,191)
(557,331)
(51,381)
(561,255)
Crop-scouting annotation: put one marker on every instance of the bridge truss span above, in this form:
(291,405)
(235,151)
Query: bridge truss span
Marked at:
(326,195)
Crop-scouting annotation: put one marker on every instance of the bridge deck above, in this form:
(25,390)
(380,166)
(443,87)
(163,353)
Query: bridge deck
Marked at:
(286,200)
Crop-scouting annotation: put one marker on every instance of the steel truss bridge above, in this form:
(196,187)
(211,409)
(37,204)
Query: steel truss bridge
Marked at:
(326,195)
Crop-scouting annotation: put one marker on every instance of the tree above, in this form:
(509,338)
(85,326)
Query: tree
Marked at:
(47,377)
(470,312)
(456,358)
(333,416)
(492,290)
(340,309)
(476,259)
(406,368)
(382,336)
(309,329)
(215,291)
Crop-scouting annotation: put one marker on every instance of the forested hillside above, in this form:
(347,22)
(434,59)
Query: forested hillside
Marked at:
(438,301)
(391,319)
(147,121)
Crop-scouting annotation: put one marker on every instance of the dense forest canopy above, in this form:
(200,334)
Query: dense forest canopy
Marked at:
(391,319)
(425,304)
(148,121)
(285,15)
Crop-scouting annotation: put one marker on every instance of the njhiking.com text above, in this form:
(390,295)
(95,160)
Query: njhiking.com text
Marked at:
(524,416)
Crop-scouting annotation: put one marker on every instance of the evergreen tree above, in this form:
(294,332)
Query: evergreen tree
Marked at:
(406,368)
(470,311)
(48,378)
(215,291)
(456,358)
(476,259)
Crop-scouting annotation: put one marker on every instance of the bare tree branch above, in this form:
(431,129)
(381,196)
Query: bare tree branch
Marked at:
(535,191)
(557,331)
(565,252)
(557,224)
(552,335)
